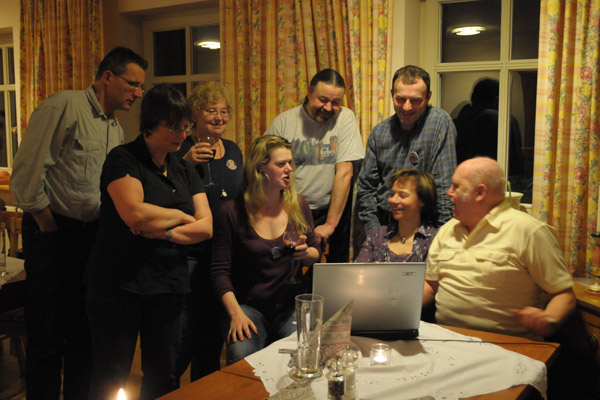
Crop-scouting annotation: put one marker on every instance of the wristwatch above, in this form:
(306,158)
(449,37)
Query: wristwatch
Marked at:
(169,234)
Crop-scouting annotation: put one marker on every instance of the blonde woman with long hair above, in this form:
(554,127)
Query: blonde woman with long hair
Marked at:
(254,271)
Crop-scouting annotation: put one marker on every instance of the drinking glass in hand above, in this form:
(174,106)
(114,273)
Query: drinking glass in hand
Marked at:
(210,139)
(290,238)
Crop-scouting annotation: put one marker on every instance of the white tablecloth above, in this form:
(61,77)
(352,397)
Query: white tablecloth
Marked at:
(442,364)
(13,267)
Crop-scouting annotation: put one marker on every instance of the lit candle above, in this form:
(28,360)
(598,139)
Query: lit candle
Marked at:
(121,395)
(380,354)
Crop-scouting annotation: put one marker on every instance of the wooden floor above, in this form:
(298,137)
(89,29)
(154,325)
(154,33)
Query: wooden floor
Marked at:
(12,386)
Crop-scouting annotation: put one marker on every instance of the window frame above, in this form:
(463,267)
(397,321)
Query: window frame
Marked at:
(5,90)
(432,18)
(171,21)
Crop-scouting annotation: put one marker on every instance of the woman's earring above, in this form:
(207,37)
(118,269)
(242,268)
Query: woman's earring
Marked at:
(266,177)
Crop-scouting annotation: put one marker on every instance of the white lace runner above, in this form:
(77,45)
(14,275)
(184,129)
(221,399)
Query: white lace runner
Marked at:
(454,367)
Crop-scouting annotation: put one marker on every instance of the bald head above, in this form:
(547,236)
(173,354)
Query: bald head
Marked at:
(478,185)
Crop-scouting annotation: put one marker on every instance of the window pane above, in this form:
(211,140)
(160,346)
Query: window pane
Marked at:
(525,29)
(471,99)
(182,87)
(169,53)
(12,98)
(11,66)
(205,60)
(522,132)
(482,47)
(1,67)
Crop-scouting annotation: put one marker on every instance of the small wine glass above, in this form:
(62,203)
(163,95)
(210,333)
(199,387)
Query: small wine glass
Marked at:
(208,138)
(290,238)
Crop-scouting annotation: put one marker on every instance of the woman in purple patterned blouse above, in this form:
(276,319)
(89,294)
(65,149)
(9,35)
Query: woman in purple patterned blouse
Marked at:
(413,202)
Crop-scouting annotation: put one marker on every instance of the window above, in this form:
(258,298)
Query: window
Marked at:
(8,104)
(487,82)
(178,46)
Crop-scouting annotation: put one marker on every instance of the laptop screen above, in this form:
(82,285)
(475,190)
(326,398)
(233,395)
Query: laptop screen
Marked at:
(387,296)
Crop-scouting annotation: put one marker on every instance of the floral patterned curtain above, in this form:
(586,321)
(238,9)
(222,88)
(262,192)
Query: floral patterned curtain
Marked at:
(61,46)
(567,148)
(272,48)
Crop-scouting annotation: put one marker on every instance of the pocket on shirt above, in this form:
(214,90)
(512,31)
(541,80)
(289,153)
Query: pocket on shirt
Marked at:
(85,156)
(494,266)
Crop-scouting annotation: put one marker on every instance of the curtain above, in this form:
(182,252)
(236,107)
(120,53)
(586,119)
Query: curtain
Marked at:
(61,46)
(271,49)
(567,148)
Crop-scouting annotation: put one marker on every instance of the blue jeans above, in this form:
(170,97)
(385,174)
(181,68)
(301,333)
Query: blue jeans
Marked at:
(272,323)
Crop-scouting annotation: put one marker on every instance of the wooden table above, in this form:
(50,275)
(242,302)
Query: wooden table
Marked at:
(238,380)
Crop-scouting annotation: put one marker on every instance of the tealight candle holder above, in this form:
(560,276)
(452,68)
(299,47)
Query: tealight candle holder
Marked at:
(381,354)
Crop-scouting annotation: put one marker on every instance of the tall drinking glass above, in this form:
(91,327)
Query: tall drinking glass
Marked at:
(309,319)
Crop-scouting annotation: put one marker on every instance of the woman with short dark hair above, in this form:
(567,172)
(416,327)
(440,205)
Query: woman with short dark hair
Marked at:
(152,206)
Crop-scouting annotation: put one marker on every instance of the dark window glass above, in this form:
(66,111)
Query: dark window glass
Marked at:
(205,60)
(525,29)
(11,66)
(482,47)
(169,53)
(1,67)
(522,132)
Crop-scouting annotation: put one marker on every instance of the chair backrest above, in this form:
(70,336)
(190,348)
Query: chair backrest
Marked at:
(13,221)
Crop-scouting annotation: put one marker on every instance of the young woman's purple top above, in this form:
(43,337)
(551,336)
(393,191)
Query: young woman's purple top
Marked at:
(255,269)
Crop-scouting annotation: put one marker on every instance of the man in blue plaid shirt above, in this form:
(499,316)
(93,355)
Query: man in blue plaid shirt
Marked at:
(419,136)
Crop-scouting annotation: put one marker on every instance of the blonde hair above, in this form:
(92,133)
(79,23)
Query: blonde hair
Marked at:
(253,180)
(206,93)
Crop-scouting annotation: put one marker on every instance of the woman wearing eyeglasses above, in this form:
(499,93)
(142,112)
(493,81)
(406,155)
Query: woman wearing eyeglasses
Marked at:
(153,206)
(252,271)
(218,162)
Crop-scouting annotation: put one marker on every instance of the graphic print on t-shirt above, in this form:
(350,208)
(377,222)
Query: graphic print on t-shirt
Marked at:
(314,152)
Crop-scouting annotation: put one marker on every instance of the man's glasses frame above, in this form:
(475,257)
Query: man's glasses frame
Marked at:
(133,86)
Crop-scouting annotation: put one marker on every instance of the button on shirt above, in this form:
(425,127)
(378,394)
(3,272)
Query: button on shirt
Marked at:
(60,158)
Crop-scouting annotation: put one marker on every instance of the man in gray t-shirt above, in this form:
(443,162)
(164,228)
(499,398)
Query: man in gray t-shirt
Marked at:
(325,141)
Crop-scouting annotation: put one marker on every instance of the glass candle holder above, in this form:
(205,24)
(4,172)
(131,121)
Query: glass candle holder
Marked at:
(381,354)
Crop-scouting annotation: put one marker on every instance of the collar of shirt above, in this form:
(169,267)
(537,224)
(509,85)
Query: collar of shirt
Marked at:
(141,151)
(91,95)
(396,127)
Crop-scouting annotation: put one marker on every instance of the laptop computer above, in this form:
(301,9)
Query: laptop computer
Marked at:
(387,296)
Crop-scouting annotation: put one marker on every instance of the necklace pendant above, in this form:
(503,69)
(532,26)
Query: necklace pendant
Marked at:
(402,240)
(223,194)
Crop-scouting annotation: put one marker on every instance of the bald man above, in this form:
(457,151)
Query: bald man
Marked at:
(495,268)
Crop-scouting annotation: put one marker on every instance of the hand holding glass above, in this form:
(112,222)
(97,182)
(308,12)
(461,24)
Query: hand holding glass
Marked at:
(290,239)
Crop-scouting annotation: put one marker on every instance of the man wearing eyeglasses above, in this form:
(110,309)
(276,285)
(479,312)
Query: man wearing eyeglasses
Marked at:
(56,181)
(325,142)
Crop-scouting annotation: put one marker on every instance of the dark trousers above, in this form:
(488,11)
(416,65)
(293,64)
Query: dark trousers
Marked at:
(116,318)
(200,341)
(57,327)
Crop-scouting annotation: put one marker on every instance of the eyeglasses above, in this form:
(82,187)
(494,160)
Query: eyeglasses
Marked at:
(133,86)
(187,128)
(214,111)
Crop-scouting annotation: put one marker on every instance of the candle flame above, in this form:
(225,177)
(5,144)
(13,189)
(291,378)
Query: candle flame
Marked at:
(121,395)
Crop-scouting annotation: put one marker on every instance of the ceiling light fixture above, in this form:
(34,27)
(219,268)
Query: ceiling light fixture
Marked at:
(468,30)
(209,45)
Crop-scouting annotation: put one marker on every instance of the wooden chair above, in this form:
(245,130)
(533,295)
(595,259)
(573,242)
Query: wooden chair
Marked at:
(13,221)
